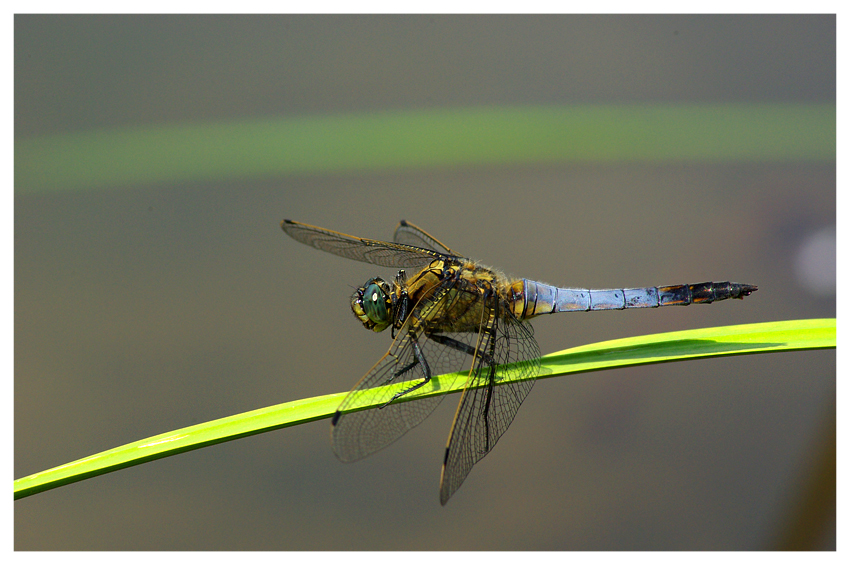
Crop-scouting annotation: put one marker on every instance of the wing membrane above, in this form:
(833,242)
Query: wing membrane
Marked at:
(380,253)
(409,234)
(507,353)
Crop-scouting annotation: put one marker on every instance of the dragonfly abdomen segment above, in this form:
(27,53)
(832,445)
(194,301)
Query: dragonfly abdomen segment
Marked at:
(532,298)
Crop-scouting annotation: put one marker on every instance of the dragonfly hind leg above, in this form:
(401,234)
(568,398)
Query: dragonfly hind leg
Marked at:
(460,346)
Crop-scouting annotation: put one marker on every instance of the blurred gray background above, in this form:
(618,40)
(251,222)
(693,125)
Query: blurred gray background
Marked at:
(142,309)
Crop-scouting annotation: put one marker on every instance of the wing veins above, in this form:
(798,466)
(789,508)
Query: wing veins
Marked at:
(381,253)
(487,406)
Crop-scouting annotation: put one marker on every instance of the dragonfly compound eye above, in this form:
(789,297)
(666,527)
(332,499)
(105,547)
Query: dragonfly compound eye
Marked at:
(375,303)
(372,305)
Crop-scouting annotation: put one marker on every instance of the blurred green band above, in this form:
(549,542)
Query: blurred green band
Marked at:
(270,147)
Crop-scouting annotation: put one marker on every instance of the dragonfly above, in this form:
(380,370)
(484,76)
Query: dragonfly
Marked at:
(448,314)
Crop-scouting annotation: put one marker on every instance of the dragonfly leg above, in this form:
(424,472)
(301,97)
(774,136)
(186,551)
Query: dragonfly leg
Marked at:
(402,310)
(488,362)
(420,360)
(403,306)
(491,372)
(491,383)
(460,346)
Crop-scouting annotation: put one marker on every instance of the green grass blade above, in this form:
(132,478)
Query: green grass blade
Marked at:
(659,348)
(442,137)
(766,337)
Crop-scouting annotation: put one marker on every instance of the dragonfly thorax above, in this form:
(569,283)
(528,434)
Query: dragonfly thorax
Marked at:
(373,305)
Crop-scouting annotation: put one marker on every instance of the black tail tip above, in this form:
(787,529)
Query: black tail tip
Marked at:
(746,290)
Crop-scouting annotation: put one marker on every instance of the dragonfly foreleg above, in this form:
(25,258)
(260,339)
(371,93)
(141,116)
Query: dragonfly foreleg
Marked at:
(419,360)
(403,305)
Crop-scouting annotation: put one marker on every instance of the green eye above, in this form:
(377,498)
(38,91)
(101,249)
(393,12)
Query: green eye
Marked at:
(375,304)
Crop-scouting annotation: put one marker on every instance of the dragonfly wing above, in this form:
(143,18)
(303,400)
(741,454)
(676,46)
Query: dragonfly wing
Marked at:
(380,253)
(359,431)
(497,385)
(409,234)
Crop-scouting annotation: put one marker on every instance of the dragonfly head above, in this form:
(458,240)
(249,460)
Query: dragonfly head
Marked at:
(373,305)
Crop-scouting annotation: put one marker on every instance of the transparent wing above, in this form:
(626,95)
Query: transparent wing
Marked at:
(367,250)
(358,433)
(507,353)
(409,234)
